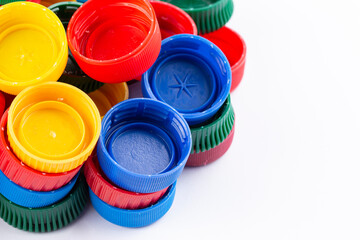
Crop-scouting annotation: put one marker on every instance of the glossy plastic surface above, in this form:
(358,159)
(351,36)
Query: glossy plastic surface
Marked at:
(209,156)
(234,48)
(161,116)
(64,93)
(173,20)
(211,133)
(73,74)
(2,2)
(96,39)
(33,46)
(32,199)
(49,218)
(134,218)
(209,15)
(52,129)
(192,75)
(109,95)
(113,195)
(23,175)
(48,3)
(65,10)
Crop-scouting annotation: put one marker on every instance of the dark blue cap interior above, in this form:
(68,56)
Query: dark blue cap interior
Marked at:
(141,148)
(184,81)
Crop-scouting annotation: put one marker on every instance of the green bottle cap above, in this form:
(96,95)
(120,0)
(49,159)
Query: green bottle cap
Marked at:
(208,15)
(48,218)
(214,131)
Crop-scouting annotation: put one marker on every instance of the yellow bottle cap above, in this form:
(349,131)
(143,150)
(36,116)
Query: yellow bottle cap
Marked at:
(33,46)
(20,112)
(101,101)
(52,130)
(109,95)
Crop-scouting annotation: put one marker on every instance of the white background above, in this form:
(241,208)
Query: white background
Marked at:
(293,169)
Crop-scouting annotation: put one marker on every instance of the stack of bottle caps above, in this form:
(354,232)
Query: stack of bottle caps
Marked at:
(205,103)
(142,150)
(50,129)
(69,65)
(46,135)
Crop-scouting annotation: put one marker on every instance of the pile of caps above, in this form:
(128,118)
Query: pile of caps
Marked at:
(71,132)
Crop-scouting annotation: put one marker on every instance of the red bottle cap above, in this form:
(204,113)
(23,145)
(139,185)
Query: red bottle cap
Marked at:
(23,175)
(234,48)
(114,40)
(173,20)
(113,195)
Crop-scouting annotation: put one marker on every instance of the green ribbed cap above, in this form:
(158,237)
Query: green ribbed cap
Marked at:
(2,2)
(214,131)
(48,218)
(73,75)
(209,15)
(65,10)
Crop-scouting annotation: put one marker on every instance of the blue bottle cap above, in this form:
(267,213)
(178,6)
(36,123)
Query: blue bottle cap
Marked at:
(152,150)
(192,75)
(32,199)
(144,145)
(134,218)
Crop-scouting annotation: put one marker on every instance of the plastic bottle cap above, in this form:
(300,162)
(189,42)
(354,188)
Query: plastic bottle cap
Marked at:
(192,75)
(33,46)
(65,10)
(141,143)
(47,3)
(173,20)
(142,148)
(73,74)
(134,218)
(96,39)
(214,131)
(234,48)
(66,94)
(212,139)
(49,218)
(101,101)
(209,156)
(113,195)
(109,95)
(208,15)
(23,175)
(2,2)
(52,130)
(32,199)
